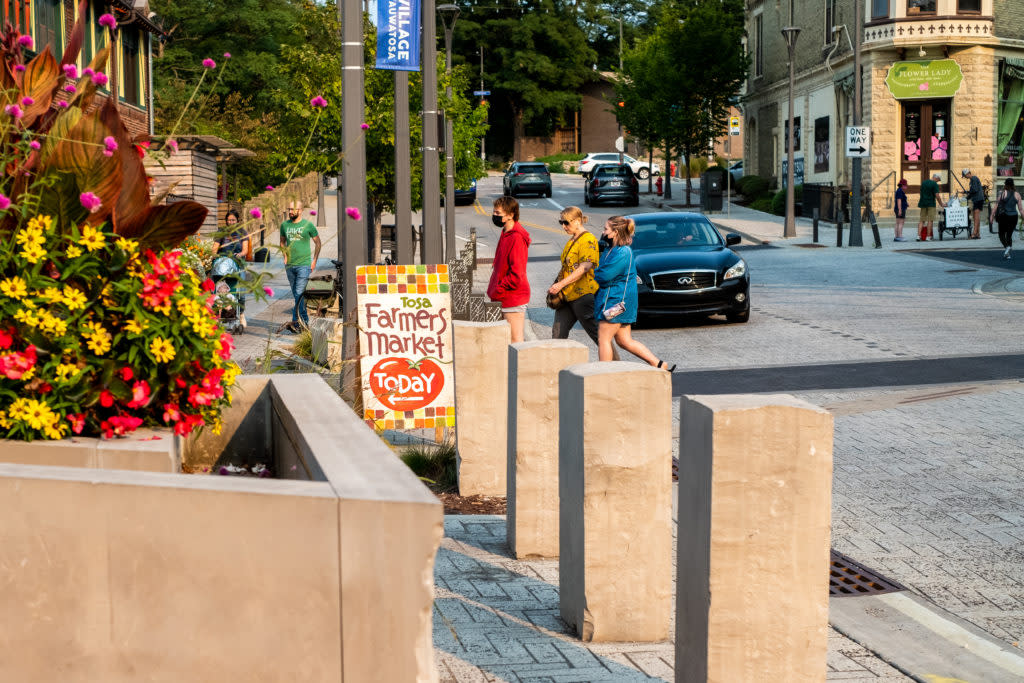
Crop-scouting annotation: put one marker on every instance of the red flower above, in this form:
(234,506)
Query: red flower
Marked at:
(14,365)
(126,374)
(208,285)
(187,424)
(106,398)
(171,413)
(120,425)
(227,345)
(77,422)
(6,339)
(45,388)
(140,395)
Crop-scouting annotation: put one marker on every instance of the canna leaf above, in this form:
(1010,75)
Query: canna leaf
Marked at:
(61,202)
(62,126)
(87,89)
(77,35)
(39,82)
(166,226)
(133,201)
(81,153)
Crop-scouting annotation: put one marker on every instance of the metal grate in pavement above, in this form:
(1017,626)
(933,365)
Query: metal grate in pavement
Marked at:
(847,577)
(809,245)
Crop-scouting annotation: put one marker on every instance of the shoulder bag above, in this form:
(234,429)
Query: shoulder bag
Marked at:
(618,309)
(1001,205)
(556,301)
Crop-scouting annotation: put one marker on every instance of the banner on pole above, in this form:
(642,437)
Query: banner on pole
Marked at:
(398,35)
(405,344)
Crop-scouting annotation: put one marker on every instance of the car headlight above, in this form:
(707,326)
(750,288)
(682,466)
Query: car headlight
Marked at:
(739,269)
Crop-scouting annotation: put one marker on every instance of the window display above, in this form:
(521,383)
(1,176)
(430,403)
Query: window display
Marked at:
(1011,123)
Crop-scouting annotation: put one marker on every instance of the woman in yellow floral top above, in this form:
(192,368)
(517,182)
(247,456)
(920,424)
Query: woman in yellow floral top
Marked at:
(576,277)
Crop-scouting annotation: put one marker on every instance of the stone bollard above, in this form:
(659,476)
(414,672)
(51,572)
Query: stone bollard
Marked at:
(481,405)
(755,482)
(615,507)
(532,518)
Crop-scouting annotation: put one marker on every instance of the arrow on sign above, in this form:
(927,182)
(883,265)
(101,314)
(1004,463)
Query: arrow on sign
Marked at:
(859,150)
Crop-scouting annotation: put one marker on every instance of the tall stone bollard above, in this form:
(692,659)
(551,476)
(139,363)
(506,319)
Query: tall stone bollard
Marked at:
(615,484)
(481,405)
(532,518)
(755,483)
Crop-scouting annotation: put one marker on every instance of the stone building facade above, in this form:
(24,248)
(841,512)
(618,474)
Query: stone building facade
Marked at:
(943,90)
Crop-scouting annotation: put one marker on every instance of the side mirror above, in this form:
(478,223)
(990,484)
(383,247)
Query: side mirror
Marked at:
(732,238)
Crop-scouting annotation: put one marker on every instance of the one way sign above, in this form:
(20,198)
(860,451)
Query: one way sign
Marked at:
(858,141)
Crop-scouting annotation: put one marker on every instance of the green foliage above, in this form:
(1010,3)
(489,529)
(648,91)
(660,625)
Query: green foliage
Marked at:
(556,158)
(763,204)
(437,465)
(698,165)
(557,167)
(303,346)
(753,186)
(778,206)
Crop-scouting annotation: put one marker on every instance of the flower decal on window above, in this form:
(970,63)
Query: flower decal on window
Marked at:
(912,150)
(940,149)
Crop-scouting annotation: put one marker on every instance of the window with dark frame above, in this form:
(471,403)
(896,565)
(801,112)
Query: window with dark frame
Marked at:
(49,29)
(758,45)
(879,9)
(968,6)
(130,66)
(830,21)
(822,144)
(921,7)
(796,135)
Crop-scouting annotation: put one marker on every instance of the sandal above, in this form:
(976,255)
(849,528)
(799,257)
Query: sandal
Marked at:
(662,365)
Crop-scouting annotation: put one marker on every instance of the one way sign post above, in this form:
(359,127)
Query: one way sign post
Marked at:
(858,141)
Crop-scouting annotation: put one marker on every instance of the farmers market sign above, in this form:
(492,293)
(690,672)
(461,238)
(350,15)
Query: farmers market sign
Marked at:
(924,79)
(405,346)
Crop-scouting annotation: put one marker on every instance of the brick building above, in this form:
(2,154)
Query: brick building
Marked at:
(49,22)
(943,89)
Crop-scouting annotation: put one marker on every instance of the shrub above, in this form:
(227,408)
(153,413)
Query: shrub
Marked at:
(435,465)
(763,204)
(779,200)
(556,158)
(698,165)
(303,346)
(752,186)
(556,167)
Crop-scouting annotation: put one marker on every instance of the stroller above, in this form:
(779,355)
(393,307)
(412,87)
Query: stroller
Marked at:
(229,304)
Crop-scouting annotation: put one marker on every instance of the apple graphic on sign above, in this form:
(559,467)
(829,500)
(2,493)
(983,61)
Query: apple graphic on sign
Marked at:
(923,87)
(401,384)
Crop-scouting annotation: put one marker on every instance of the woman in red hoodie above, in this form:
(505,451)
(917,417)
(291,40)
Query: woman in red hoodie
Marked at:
(508,284)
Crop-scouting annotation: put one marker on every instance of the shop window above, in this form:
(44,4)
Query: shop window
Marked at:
(131,65)
(830,21)
(821,145)
(921,6)
(879,9)
(49,26)
(796,135)
(968,6)
(1011,123)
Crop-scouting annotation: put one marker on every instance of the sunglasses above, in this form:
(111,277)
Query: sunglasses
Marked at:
(561,222)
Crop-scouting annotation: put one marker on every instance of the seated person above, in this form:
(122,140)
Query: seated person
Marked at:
(687,234)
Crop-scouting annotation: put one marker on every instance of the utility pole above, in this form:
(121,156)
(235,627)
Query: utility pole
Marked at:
(483,156)
(790,33)
(449,13)
(430,237)
(404,246)
(856,239)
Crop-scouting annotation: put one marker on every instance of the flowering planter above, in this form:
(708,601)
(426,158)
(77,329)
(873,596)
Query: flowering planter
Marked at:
(323,574)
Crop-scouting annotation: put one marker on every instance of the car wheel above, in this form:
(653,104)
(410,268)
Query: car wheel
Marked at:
(586,199)
(635,201)
(548,193)
(643,173)
(740,316)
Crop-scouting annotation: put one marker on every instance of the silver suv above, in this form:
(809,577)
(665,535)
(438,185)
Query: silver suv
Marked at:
(641,169)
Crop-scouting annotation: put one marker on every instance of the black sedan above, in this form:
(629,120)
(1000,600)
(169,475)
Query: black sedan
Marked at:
(684,266)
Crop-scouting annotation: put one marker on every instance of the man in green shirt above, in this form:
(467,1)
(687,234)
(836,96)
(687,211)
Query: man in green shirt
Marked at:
(929,196)
(296,233)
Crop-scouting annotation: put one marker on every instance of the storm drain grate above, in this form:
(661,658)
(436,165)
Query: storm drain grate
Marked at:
(847,577)
(810,245)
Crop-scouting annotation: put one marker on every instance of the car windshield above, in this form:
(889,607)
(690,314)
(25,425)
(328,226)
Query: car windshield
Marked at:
(614,171)
(533,168)
(677,232)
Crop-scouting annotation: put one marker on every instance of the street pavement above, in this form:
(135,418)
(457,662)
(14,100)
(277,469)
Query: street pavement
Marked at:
(915,348)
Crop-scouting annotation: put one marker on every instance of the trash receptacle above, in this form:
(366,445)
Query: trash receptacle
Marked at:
(712,187)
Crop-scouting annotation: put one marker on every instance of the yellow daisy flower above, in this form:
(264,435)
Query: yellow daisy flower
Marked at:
(162,350)
(73,251)
(127,245)
(65,371)
(99,339)
(55,431)
(52,294)
(73,298)
(33,253)
(14,287)
(135,326)
(92,239)
(27,317)
(41,224)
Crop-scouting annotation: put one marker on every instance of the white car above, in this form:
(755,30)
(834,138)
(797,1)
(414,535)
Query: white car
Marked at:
(640,168)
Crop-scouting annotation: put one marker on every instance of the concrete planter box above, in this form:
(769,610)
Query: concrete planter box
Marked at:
(115,575)
(147,450)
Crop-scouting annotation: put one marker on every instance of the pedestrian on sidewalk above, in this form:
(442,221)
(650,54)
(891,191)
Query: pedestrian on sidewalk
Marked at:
(575,285)
(900,205)
(976,194)
(929,197)
(508,284)
(235,241)
(296,232)
(1007,211)
(616,301)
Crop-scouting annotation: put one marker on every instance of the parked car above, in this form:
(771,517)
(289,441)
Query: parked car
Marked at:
(736,171)
(465,195)
(527,177)
(685,266)
(641,169)
(611,182)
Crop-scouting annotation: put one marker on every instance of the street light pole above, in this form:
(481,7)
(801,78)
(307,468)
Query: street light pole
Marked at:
(856,238)
(352,234)
(449,13)
(483,156)
(790,33)
(430,237)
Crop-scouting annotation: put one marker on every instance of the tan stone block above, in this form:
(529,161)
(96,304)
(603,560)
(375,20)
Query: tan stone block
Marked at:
(146,450)
(328,344)
(71,452)
(532,517)
(481,405)
(755,480)
(615,482)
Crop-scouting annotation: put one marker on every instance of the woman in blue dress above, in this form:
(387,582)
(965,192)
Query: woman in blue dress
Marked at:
(615,305)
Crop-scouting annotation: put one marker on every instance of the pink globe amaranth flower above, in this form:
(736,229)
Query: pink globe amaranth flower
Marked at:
(227,55)
(70,87)
(173,144)
(318,102)
(312,212)
(63,104)
(353,213)
(255,213)
(26,41)
(34,144)
(364,126)
(110,143)
(88,72)
(27,101)
(209,63)
(270,188)
(108,20)
(20,68)
(14,110)
(4,203)
(70,71)
(90,202)
(266,290)
(100,78)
